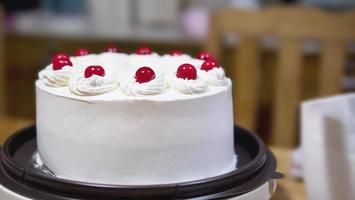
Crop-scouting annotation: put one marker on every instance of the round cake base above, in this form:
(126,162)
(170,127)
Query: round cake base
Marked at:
(254,175)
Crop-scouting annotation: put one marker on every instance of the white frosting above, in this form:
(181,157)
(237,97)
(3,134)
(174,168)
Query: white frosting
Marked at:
(136,134)
(186,86)
(167,61)
(115,63)
(83,61)
(136,142)
(56,78)
(156,86)
(169,64)
(215,77)
(137,60)
(93,85)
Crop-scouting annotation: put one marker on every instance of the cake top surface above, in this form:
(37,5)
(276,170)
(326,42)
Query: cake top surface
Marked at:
(111,76)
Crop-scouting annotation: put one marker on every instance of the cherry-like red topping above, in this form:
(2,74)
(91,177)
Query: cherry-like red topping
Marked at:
(59,63)
(186,71)
(176,53)
(144,74)
(205,55)
(111,48)
(209,64)
(82,52)
(60,55)
(144,50)
(94,70)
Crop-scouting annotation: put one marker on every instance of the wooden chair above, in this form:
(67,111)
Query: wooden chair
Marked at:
(2,69)
(250,26)
(333,31)
(292,25)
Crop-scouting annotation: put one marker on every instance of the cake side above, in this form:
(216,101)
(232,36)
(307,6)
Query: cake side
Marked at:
(136,142)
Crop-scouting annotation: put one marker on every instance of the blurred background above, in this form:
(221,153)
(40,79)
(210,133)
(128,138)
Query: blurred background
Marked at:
(313,40)
(279,53)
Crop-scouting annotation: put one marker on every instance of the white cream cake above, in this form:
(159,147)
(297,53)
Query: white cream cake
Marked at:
(135,119)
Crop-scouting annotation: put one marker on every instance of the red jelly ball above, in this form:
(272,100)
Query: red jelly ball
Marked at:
(144,74)
(209,64)
(82,52)
(204,55)
(60,55)
(176,53)
(111,48)
(187,71)
(94,69)
(59,63)
(144,50)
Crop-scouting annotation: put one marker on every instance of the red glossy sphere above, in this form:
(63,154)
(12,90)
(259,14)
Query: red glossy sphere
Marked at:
(187,71)
(82,52)
(94,70)
(144,50)
(176,53)
(60,55)
(144,74)
(209,64)
(111,48)
(205,55)
(58,63)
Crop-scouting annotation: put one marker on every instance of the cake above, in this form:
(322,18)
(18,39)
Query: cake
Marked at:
(135,119)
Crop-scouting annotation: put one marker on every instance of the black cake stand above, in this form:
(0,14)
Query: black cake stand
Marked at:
(256,166)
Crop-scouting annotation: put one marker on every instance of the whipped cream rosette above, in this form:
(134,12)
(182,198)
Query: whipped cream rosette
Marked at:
(187,81)
(59,72)
(215,77)
(93,82)
(56,78)
(213,73)
(144,82)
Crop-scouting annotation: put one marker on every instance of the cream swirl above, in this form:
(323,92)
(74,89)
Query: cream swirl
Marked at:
(186,86)
(215,76)
(56,78)
(156,86)
(93,85)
